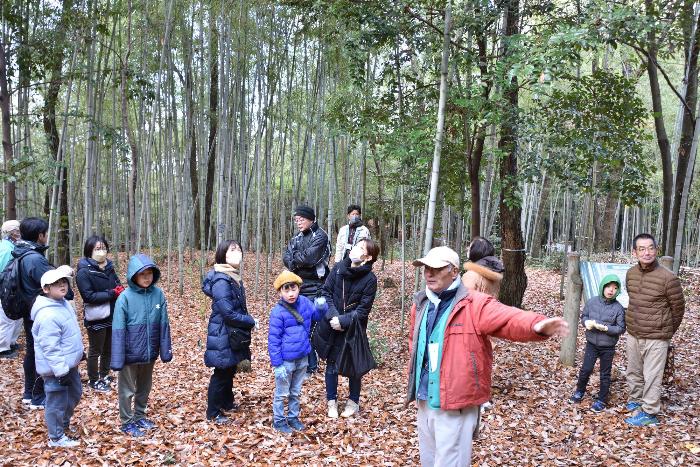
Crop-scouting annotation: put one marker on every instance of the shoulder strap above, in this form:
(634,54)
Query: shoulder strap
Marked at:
(294,312)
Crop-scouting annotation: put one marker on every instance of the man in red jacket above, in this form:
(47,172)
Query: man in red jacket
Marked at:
(449,371)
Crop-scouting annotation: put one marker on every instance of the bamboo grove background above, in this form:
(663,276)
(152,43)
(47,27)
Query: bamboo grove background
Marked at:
(171,125)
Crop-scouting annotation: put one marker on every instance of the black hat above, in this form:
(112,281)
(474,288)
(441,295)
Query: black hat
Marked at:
(306,212)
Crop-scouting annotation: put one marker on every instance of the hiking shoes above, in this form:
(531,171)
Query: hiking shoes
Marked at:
(132,429)
(598,406)
(577,397)
(220,419)
(64,442)
(38,406)
(642,419)
(632,406)
(282,426)
(145,424)
(295,424)
(99,386)
(8,353)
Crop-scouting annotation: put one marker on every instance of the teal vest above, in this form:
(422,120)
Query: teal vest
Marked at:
(436,337)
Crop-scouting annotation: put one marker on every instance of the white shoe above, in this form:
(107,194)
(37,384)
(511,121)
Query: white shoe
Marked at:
(64,442)
(351,408)
(332,409)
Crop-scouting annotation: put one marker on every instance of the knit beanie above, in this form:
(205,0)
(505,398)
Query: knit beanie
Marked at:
(306,212)
(286,277)
(8,227)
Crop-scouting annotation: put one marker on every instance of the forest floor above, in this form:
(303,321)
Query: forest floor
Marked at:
(531,422)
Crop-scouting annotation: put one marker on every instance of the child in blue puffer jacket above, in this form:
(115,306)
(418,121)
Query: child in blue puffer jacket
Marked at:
(288,345)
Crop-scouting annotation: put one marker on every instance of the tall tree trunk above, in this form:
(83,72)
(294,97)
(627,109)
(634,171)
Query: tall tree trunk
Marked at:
(213,123)
(514,279)
(7,148)
(439,132)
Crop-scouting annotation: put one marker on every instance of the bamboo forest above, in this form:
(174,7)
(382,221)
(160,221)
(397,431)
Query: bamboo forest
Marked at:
(557,130)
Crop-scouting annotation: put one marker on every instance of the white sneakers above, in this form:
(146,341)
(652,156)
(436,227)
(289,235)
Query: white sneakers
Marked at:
(332,409)
(351,408)
(64,442)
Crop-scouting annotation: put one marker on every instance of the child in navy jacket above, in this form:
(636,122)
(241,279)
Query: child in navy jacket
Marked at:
(288,345)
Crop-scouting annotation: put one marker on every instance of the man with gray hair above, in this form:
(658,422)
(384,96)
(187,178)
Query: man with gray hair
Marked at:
(451,357)
(9,328)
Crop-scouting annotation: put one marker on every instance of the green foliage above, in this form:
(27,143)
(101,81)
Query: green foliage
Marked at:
(599,122)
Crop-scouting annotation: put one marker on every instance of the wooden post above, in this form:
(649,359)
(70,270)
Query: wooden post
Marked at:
(572,308)
(667,262)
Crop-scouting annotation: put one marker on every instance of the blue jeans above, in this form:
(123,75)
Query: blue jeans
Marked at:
(332,384)
(61,402)
(289,387)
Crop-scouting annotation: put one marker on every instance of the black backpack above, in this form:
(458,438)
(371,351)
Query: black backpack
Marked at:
(14,302)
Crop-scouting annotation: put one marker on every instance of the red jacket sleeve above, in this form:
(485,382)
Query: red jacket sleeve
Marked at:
(493,318)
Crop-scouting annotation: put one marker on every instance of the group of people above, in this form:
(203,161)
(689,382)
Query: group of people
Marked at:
(127,329)
(451,322)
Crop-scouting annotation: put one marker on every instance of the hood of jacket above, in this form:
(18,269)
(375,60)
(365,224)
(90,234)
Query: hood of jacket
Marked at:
(607,280)
(138,263)
(209,280)
(23,246)
(42,302)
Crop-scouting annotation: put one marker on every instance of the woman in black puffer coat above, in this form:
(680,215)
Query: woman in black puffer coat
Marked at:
(228,310)
(99,287)
(350,290)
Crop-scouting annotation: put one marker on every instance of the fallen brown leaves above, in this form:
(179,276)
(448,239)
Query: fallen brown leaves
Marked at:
(531,422)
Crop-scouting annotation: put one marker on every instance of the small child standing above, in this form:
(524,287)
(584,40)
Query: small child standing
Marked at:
(288,345)
(604,319)
(58,349)
(140,332)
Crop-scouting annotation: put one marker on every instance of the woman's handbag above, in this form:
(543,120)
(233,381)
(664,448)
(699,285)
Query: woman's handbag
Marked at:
(238,338)
(96,312)
(355,359)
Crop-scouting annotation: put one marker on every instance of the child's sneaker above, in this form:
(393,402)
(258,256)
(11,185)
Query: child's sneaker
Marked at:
(108,380)
(99,386)
(295,424)
(26,400)
(145,424)
(577,397)
(632,406)
(598,406)
(642,419)
(220,419)
(132,429)
(38,406)
(64,442)
(282,426)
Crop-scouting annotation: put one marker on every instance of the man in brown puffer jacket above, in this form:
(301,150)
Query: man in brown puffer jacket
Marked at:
(654,314)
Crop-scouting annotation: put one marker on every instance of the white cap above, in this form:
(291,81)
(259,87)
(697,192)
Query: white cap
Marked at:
(9,226)
(52,276)
(439,257)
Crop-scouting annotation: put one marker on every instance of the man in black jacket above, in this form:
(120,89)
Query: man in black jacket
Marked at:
(307,256)
(34,241)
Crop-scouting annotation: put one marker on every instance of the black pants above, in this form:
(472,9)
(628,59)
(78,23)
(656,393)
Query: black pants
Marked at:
(311,292)
(591,354)
(100,352)
(33,383)
(220,393)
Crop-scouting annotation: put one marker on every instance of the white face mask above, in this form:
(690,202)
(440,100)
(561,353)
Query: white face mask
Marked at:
(356,255)
(99,255)
(234,258)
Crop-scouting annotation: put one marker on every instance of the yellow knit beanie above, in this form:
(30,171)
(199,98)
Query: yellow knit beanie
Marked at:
(286,277)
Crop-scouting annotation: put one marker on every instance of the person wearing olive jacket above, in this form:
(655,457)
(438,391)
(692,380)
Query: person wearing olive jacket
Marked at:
(228,310)
(653,316)
(349,290)
(99,287)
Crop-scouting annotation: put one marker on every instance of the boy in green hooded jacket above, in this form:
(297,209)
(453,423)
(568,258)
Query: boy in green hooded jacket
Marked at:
(604,319)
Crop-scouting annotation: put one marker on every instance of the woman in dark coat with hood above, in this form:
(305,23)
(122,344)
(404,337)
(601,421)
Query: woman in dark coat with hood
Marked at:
(228,311)
(350,290)
(99,287)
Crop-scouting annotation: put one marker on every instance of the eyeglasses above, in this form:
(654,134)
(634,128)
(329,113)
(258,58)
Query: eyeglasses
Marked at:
(642,249)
